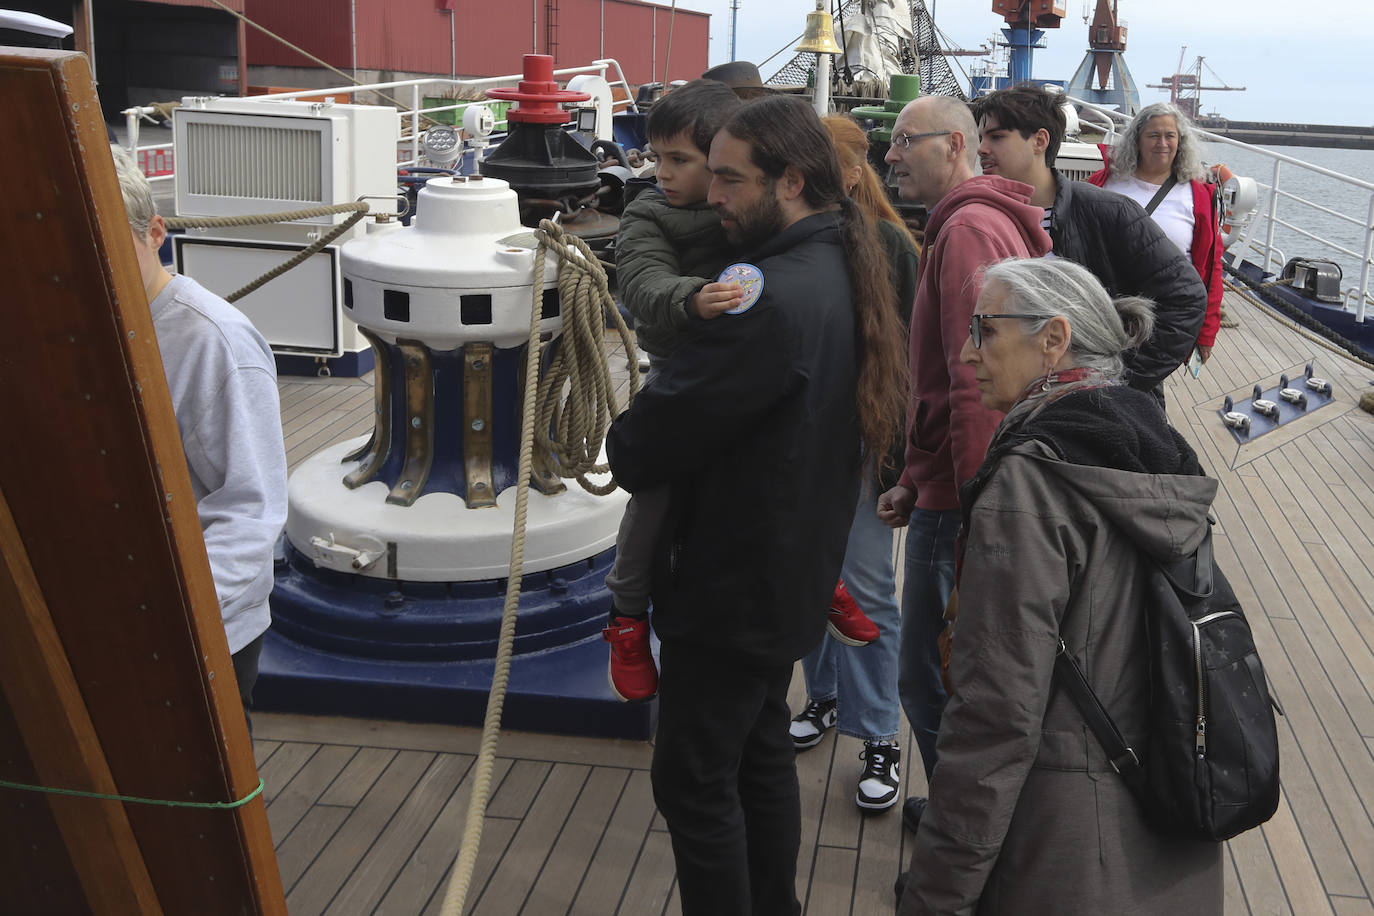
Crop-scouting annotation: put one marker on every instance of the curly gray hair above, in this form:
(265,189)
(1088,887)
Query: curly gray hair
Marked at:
(1125,153)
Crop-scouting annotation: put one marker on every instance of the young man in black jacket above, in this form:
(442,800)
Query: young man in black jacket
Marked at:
(1020,130)
(755,425)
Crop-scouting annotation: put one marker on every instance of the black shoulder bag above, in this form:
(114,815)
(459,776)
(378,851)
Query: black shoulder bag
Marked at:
(1210,769)
(1162,193)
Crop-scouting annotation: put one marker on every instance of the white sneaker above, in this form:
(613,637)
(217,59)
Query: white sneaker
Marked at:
(880,781)
(810,725)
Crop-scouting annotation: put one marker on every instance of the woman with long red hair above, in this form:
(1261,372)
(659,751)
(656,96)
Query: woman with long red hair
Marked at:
(852,685)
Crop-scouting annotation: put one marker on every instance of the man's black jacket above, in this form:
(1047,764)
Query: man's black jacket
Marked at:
(753,424)
(1112,236)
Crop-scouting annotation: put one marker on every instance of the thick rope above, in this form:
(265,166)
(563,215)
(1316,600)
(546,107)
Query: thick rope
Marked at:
(1295,319)
(584,296)
(304,53)
(358,209)
(262,219)
(580,421)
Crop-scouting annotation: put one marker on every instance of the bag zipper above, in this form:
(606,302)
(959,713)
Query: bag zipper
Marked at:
(1200,730)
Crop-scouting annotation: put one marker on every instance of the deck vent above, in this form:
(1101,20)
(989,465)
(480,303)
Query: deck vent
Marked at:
(260,162)
(245,156)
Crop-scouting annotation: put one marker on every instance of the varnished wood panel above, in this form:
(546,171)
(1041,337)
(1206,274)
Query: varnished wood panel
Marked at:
(96,482)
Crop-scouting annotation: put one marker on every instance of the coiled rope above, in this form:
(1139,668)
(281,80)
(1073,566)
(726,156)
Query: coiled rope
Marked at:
(582,423)
(357,209)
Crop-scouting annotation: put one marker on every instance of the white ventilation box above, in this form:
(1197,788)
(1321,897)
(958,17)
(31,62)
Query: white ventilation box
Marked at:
(238,157)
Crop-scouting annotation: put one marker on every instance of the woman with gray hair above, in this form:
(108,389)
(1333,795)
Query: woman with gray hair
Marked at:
(1157,162)
(1084,484)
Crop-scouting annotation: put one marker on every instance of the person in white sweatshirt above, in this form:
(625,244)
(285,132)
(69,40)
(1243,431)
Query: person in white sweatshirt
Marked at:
(223,382)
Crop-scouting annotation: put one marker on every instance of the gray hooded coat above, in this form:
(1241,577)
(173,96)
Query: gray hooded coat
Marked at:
(1026,815)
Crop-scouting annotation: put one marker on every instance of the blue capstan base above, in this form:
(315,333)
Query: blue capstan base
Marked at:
(1261,423)
(377,648)
(562,691)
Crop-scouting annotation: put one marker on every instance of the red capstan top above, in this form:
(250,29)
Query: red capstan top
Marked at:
(538,96)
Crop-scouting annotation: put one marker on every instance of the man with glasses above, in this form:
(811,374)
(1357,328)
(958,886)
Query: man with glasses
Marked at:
(974,222)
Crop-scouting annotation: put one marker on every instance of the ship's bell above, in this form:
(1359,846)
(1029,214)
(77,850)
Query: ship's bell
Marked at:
(819,37)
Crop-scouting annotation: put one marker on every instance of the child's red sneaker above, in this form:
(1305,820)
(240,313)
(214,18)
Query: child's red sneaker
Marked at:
(632,673)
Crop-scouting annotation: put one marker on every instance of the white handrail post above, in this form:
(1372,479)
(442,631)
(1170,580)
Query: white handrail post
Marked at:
(1364,268)
(131,116)
(1273,215)
(415,123)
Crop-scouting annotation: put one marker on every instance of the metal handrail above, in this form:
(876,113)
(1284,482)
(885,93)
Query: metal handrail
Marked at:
(1361,293)
(601,66)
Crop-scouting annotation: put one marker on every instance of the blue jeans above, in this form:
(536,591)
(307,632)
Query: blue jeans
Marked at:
(925,592)
(863,678)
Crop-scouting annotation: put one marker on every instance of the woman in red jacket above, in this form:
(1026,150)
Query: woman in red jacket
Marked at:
(1161,147)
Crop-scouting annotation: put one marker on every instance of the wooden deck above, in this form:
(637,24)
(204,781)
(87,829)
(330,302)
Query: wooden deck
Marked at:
(367,815)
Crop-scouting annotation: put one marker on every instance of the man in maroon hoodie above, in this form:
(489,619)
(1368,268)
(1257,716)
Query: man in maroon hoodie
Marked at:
(974,222)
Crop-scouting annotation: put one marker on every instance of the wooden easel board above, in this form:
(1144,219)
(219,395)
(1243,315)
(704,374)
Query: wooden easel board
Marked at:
(115,676)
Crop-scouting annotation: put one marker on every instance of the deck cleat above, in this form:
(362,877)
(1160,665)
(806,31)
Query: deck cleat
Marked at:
(1294,396)
(1319,385)
(1237,421)
(1266,408)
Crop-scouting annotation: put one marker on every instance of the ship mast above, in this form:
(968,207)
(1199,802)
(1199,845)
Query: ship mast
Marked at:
(734,26)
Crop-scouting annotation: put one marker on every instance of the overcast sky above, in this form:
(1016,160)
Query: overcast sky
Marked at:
(1307,62)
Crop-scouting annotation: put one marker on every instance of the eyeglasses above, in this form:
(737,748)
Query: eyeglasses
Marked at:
(905,139)
(975,325)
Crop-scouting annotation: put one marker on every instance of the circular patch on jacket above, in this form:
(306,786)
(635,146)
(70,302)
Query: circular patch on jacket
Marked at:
(750,278)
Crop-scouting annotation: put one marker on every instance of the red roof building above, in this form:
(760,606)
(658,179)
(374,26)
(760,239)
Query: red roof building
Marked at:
(159,50)
(394,39)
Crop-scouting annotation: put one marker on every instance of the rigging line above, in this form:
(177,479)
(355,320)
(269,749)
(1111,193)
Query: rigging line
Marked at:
(785,47)
(839,5)
(668,54)
(299,50)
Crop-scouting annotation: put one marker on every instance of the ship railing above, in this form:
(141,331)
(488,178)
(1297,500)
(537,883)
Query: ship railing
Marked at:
(1269,217)
(132,118)
(414,116)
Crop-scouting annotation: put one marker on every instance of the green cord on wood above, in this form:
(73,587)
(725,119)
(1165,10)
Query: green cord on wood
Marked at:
(133,799)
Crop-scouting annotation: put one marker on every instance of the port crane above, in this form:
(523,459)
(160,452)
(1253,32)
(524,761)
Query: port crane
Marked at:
(1103,77)
(1185,86)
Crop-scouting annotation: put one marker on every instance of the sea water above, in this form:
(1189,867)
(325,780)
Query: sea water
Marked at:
(1351,201)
